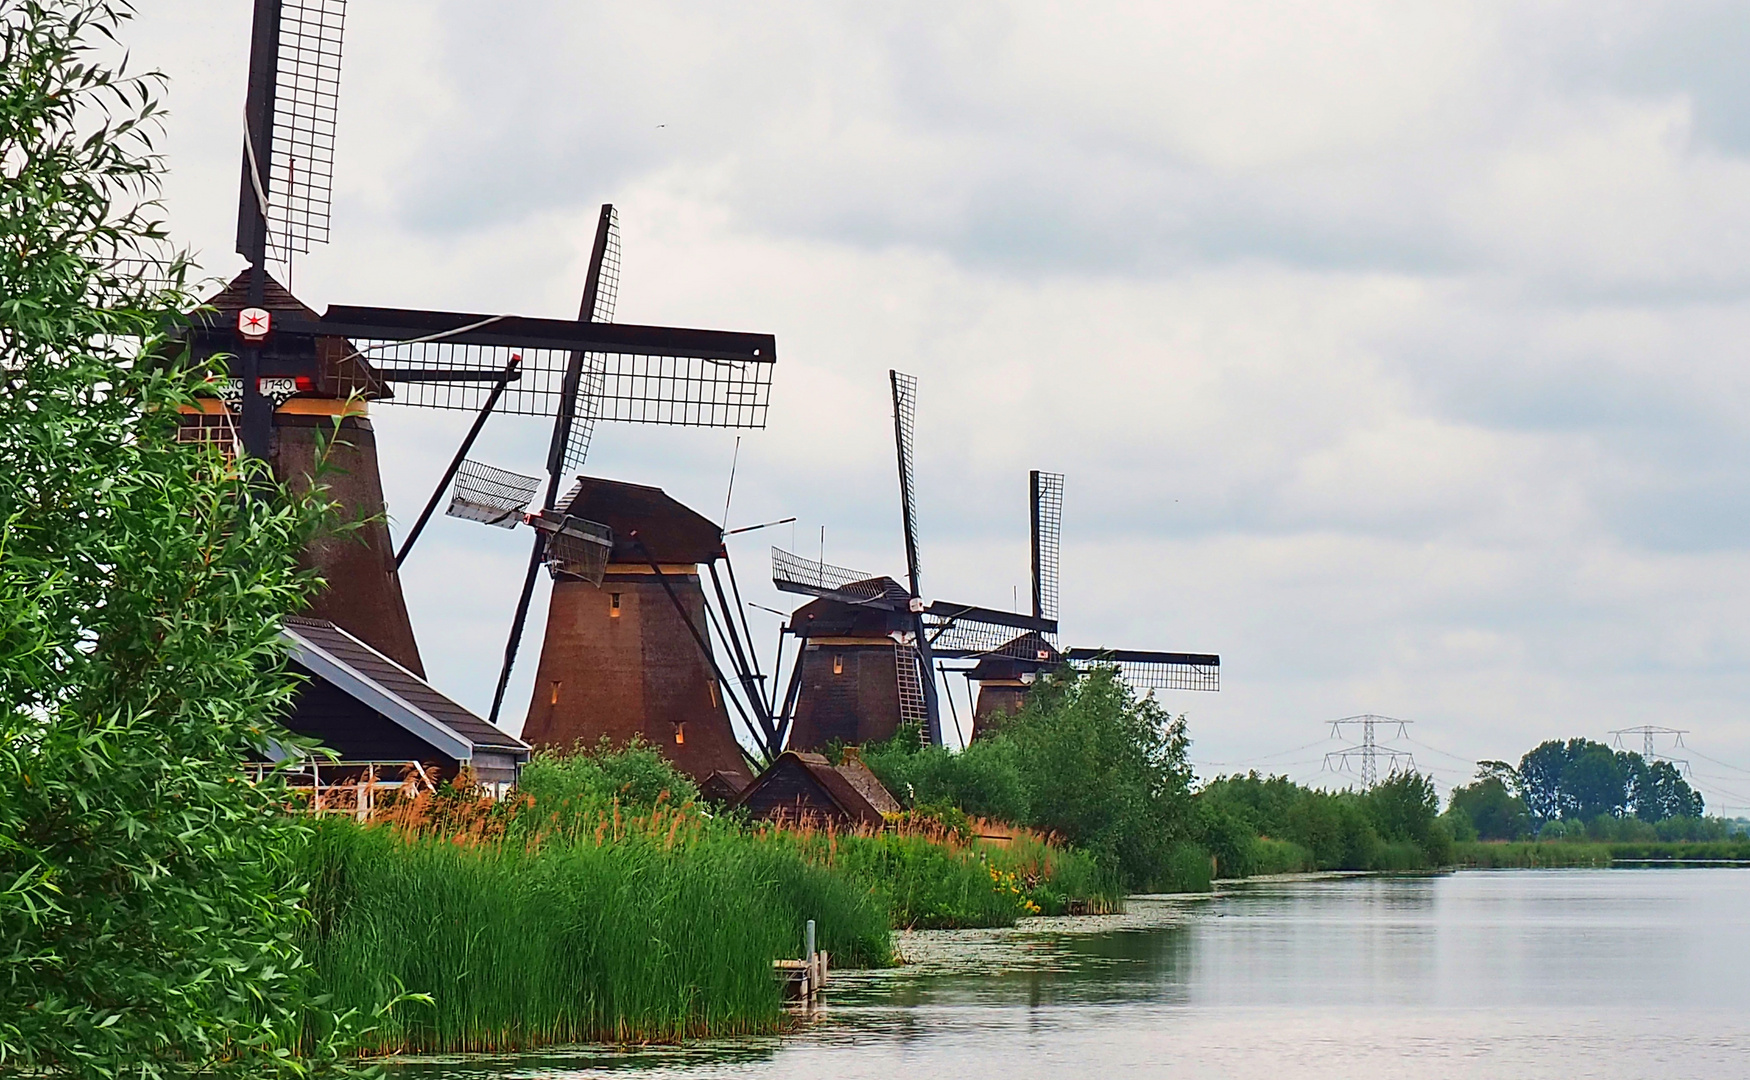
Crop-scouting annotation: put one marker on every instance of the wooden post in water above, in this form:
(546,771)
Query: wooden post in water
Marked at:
(813,985)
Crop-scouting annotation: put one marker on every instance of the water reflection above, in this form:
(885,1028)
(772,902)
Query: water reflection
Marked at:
(1591,973)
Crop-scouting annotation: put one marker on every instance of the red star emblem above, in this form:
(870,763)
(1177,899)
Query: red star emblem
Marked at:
(254,323)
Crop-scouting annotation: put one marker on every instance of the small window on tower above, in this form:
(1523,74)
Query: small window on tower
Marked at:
(680,734)
(838,664)
(613,605)
(553,697)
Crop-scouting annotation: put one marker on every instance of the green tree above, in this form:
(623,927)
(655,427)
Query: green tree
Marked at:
(1594,782)
(1406,808)
(1084,758)
(1583,780)
(149,905)
(1576,779)
(1491,810)
(1659,792)
(1106,770)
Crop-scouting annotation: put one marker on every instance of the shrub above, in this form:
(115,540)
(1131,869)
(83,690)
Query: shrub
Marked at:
(1084,760)
(148,897)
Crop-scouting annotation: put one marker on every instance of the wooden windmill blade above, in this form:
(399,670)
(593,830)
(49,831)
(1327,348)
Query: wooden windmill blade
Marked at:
(493,496)
(905,404)
(965,630)
(584,375)
(794,573)
(1045,491)
(490,495)
(1146,670)
(647,374)
(293,103)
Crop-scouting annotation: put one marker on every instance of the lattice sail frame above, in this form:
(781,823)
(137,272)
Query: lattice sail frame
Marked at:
(579,548)
(966,637)
(1152,674)
(633,388)
(592,382)
(962,638)
(905,412)
(300,179)
(1046,491)
(490,495)
(811,577)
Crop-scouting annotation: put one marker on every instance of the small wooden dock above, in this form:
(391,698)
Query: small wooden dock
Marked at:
(802,979)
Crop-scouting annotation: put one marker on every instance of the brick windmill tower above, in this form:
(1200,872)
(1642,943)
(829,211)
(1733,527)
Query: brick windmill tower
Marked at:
(631,657)
(295,373)
(865,663)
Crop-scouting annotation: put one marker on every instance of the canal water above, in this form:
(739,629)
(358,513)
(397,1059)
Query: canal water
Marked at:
(1521,974)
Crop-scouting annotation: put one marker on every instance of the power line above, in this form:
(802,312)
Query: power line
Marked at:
(1717,761)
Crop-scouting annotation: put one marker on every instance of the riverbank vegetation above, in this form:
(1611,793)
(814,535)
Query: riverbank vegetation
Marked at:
(601,901)
(1085,760)
(1090,762)
(1269,825)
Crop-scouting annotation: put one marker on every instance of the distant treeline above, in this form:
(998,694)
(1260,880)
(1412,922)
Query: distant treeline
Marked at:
(1580,789)
(1534,854)
(1088,761)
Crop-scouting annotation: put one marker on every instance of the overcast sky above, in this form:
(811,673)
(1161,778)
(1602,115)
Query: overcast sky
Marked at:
(1392,351)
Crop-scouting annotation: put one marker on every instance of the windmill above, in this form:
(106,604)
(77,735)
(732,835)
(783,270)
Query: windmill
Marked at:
(295,372)
(865,660)
(1005,674)
(633,659)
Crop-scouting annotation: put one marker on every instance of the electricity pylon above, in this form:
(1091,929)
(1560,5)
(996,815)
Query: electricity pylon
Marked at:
(1648,753)
(1370,751)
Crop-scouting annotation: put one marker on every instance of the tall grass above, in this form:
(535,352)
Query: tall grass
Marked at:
(935,877)
(589,907)
(653,927)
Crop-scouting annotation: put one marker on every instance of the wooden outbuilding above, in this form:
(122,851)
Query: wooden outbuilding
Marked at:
(723,787)
(805,787)
(373,711)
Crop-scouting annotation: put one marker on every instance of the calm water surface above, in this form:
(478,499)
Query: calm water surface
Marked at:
(1522,974)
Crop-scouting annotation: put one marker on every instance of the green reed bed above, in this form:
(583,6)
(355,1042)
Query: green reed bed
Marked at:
(1504,855)
(637,933)
(1529,854)
(933,879)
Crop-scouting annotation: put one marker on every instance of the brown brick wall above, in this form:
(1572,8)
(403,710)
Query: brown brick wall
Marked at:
(858,704)
(364,592)
(636,673)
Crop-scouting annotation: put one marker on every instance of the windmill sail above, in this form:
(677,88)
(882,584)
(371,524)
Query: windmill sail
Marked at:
(602,291)
(295,167)
(963,630)
(809,577)
(905,408)
(648,374)
(575,547)
(1046,490)
(1153,670)
(491,496)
